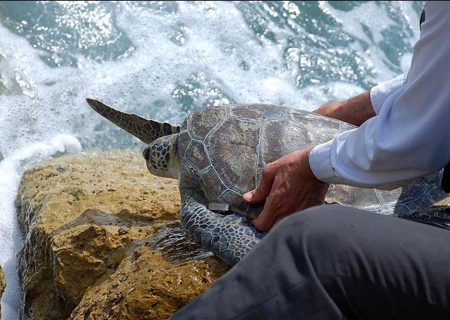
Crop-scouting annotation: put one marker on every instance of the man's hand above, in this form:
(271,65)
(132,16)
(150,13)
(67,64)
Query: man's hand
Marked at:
(288,185)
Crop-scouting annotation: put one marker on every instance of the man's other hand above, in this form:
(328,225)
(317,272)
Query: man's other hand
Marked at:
(288,185)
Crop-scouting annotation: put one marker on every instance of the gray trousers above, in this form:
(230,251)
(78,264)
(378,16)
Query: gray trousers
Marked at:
(334,262)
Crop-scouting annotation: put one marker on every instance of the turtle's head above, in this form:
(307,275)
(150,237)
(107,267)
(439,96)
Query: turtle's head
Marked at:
(162,157)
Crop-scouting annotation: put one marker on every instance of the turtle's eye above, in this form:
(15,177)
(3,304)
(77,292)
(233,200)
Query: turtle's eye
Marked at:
(146,153)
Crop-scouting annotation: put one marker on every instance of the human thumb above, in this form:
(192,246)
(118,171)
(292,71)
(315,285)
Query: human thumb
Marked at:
(262,191)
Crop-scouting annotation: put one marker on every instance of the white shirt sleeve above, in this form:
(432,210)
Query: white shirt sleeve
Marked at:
(379,93)
(410,135)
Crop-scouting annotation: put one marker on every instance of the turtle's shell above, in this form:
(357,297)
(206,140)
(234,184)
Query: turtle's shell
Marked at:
(226,147)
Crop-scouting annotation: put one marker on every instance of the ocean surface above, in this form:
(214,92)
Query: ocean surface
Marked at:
(165,59)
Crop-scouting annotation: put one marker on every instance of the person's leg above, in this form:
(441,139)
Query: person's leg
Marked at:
(333,262)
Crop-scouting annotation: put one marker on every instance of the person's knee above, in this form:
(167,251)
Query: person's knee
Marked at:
(316,218)
(319,229)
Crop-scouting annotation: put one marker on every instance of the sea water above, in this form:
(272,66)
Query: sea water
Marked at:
(165,59)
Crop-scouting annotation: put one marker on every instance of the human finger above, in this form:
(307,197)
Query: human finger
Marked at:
(266,218)
(272,209)
(263,190)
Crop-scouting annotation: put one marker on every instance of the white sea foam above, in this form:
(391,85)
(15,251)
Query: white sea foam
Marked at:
(11,170)
(44,101)
(375,18)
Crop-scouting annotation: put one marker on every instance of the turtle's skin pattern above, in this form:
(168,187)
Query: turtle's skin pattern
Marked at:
(230,237)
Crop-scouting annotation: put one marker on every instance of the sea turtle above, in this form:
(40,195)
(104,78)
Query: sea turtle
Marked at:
(218,154)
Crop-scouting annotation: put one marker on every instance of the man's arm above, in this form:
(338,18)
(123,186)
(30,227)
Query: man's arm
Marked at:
(407,139)
(355,110)
(360,108)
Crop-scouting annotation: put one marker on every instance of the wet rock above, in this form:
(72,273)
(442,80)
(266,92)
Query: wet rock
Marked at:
(102,241)
(2,287)
(147,286)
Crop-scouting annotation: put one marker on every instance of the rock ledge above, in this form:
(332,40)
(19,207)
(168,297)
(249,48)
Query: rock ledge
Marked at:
(102,241)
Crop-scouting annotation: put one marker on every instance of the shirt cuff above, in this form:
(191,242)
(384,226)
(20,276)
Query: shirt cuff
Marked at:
(320,161)
(381,92)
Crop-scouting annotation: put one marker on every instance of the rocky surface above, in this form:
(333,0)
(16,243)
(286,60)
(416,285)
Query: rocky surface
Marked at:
(2,288)
(102,241)
(147,286)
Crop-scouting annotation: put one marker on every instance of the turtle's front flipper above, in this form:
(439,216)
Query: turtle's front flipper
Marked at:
(229,237)
(145,130)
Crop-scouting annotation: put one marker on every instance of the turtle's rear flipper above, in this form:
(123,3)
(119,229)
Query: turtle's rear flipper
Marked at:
(145,130)
(229,237)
